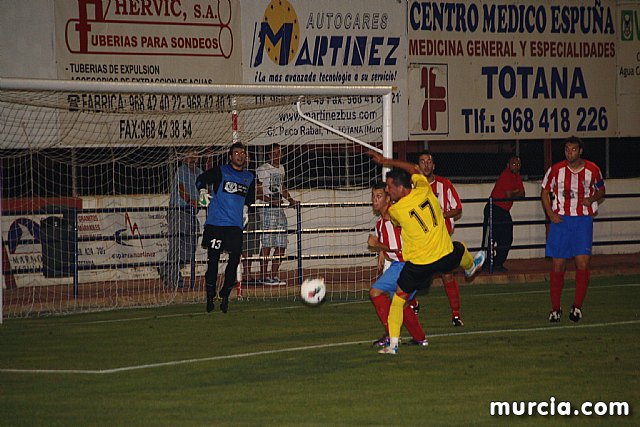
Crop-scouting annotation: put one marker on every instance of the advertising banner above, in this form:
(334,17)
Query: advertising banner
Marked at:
(168,41)
(628,68)
(122,245)
(499,69)
(328,42)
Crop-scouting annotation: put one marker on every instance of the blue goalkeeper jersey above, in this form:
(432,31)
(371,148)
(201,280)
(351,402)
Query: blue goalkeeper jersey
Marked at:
(232,189)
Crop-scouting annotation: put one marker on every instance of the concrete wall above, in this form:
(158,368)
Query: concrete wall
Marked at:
(473,213)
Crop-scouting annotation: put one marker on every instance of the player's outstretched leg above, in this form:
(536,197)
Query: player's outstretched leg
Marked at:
(472,264)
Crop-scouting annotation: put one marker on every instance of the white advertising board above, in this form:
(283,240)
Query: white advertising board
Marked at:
(172,41)
(167,41)
(328,42)
(128,244)
(629,68)
(504,69)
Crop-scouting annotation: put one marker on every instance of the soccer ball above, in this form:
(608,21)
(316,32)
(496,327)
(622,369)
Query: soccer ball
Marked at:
(313,291)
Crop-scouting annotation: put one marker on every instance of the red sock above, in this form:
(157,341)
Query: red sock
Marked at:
(557,283)
(582,281)
(382,304)
(454,296)
(411,322)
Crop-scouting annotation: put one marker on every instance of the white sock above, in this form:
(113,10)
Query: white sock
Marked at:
(393,342)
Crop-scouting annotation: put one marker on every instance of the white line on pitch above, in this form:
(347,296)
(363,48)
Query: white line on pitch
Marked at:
(299,306)
(546,290)
(303,348)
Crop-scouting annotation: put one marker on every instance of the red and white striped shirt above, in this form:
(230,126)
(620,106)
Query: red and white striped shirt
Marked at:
(570,187)
(447,196)
(389,235)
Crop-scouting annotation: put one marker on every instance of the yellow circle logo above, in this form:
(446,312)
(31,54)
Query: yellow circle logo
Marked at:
(280,31)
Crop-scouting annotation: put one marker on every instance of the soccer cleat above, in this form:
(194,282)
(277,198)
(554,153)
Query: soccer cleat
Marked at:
(273,281)
(478,260)
(457,321)
(554,316)
(383,341)
(224,305)
(276,281)
(211,296)
(420,343)
(389,350)
(415,306)
(575,314)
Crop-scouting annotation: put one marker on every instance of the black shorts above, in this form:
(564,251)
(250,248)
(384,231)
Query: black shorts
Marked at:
(414,277)
(222,238)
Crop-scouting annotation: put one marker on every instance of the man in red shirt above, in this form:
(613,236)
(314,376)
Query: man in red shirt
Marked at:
(452,210)
(578,186)
(498,224)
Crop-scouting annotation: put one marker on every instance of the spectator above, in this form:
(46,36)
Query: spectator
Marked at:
(578,186)
(497,215)
(182,221)
(273,191)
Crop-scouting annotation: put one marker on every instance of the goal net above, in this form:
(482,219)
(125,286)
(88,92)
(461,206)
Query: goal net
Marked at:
(89,183)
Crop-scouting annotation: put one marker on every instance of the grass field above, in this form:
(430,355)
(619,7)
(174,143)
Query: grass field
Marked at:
(284,364)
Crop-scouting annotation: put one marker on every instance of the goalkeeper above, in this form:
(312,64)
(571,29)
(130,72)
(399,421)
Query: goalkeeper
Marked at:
(427,246)
(233,188)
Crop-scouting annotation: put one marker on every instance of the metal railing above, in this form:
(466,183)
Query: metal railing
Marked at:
(299,231)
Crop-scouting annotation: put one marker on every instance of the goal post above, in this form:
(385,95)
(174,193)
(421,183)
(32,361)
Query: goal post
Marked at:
(87,171)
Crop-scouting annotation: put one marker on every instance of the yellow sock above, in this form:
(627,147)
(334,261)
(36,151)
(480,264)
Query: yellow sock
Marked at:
(467,259)
(395,316)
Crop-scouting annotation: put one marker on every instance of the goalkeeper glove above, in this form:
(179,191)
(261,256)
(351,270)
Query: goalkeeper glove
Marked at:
(204,198)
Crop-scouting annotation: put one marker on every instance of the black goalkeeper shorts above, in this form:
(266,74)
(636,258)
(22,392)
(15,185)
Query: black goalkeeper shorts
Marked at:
(222,238)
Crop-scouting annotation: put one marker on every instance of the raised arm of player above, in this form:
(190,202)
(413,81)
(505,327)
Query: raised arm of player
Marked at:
(385,161)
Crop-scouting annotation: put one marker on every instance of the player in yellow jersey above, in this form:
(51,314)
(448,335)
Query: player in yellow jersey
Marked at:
(427,246)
